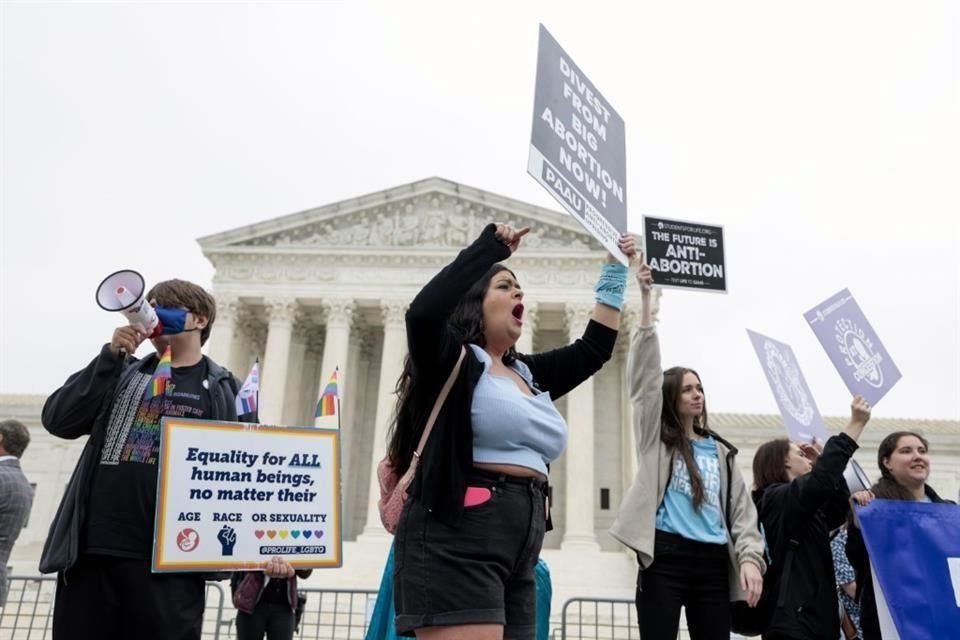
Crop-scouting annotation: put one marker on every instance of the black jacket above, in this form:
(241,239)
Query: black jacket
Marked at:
(434,348)
(860,561)
(797,518)
(81,407)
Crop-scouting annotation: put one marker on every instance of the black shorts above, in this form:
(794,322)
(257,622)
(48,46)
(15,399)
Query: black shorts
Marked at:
(479,572)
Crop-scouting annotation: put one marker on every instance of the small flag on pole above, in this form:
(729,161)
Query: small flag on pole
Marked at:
(327,404)
(161,377)
(247,396)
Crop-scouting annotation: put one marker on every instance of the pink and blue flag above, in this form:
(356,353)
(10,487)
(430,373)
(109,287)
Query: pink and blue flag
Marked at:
(247,396)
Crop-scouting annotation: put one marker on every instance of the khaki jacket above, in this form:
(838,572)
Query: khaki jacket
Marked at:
(636,520)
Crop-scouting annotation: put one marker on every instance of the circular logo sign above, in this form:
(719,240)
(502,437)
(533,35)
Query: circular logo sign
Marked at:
(786,381)
(188,540)
(858,353)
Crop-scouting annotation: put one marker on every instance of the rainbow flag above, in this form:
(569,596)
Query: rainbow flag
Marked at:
(161,377)
(328,399)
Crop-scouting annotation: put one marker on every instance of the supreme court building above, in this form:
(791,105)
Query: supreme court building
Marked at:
(328,287)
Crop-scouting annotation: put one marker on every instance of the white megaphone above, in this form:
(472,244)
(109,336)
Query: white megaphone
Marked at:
(856,477)
(123,291)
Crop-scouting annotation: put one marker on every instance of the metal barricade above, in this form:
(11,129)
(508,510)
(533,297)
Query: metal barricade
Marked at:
(328,614)
(598,619)
(336,614)
(214,625)
(28,614)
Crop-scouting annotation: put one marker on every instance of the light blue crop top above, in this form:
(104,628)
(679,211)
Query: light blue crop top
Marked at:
(510,427)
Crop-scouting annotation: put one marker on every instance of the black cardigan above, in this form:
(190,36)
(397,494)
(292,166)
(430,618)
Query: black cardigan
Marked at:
(434,347)
(806,510)
(860,561)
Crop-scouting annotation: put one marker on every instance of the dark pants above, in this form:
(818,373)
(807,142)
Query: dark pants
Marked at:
(480,571)
(273,619)
(107,598)
(687,574)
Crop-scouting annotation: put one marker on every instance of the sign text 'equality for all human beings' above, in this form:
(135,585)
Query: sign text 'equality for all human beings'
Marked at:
(231,495)
(577,147)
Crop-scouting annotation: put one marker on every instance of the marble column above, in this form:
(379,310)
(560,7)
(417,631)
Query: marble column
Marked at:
(525,342)
(578,526)
(276,360)
(336,343)
(221,344)
(391,366)
(293,410)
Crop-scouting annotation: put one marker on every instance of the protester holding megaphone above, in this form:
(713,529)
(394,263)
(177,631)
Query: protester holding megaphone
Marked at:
(904,462)
(801,496)
(101,538)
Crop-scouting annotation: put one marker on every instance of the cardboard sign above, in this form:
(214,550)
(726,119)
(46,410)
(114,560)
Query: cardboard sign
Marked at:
(797,407)
(685,255)
(233,495)
(915,555)
(853,346)
(577,147)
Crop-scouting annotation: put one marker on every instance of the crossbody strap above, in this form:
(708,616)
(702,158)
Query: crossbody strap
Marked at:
(444,392)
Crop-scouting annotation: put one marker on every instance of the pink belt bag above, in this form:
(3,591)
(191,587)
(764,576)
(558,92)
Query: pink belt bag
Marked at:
(393,489)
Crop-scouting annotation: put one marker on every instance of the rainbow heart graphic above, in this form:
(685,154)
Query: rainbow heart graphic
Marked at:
(307,533)
(258,533)
(271,534)
(318,533)
(283,534)
(295,533)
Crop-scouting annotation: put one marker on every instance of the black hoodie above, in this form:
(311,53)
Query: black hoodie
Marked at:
(81,407)
(805,511)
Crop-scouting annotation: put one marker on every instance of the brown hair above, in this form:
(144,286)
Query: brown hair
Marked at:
(887,487)
(180,293)
(770,463)
(15,438)
(671,427)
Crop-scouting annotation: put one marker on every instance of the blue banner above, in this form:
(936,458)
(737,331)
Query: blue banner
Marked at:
(915,552)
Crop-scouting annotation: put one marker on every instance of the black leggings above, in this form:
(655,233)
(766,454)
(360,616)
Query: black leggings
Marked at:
(687,574)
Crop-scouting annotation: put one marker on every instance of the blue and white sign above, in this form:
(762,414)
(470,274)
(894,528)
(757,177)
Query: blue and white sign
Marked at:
(853,346)
(578,146)
(797,408)
(915,554)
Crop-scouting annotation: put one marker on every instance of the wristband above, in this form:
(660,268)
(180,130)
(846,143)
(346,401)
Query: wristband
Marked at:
(612,284)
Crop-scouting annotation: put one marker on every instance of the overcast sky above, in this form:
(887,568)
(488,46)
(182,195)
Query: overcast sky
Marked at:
(824,136)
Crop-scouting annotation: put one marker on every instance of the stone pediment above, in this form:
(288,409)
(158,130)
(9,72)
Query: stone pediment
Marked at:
(431,214)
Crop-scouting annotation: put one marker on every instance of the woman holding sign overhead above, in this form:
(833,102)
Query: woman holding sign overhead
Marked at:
(904,464)
(688,514)
(801,495)
(468,539)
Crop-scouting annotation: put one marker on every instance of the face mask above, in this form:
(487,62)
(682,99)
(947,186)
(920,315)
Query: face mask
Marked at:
(171,321)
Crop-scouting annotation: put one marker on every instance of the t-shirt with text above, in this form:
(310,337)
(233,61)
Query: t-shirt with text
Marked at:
(123,497)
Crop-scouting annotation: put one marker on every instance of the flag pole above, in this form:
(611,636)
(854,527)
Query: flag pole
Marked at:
(256,411)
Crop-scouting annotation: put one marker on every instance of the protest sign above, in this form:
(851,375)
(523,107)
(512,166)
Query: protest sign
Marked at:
(853,346)
(915,556)
(797,407)
(685,255)
(578,147)
(231,495)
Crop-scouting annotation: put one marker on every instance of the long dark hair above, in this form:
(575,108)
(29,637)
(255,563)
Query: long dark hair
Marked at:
(671,427)
(887,486)
(770,463)
(466,321)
